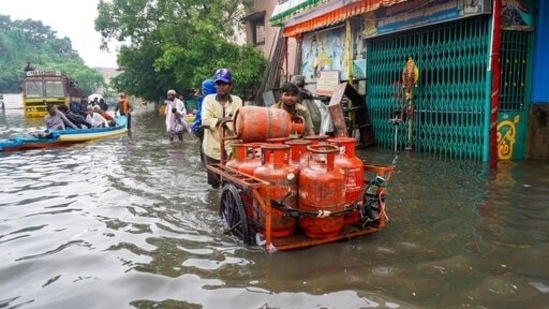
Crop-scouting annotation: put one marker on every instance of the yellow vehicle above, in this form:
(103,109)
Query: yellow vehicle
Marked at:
(43,87)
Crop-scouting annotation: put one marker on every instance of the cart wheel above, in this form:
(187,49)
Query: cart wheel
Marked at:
(231,211)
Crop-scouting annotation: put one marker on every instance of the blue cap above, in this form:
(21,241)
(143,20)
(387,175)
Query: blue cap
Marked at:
(222,75)
(208,87)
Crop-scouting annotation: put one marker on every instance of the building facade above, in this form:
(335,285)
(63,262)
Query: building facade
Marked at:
(458,76)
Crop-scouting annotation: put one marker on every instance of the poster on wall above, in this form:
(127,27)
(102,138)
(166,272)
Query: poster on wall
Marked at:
(327,51)
(418,13)
(327,82)
(517,15)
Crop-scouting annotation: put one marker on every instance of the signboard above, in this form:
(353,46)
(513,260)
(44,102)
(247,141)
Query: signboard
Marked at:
(42,72)
(418,13)
(327,82)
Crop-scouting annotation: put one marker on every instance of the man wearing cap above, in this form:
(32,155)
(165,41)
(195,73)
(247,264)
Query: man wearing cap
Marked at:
(175,111)
(216,109)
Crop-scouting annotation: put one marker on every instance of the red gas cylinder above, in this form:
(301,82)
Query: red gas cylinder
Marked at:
(298,152)
(283,187)
(258,123)
(322,188)
(239,156)
(354,173)
(253,159)
(317,139)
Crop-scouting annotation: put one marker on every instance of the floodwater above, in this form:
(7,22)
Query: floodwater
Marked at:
(130,223)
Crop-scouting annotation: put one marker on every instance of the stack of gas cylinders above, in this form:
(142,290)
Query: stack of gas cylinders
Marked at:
(316,175)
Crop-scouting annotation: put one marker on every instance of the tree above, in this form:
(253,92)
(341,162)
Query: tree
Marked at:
(175,44)
(31,41)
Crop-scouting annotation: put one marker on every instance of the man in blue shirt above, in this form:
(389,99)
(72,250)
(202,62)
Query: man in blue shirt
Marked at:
(208,87)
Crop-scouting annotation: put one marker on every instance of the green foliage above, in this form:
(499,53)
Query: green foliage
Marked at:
(176,44)
(31,41)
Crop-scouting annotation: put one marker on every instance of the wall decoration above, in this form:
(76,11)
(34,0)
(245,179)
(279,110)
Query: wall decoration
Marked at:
(517,15)
(506,138)
(327,51)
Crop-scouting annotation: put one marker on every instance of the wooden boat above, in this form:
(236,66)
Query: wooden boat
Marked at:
(29,142)
(83,135)
(57,138)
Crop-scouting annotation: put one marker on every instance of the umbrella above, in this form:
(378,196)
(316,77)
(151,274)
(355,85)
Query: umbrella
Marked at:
(93,96)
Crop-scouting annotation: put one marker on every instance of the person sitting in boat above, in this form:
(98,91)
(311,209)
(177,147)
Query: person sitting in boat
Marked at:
(56,120)
(75,118)
(103,104)
(96,120)
(83,109)
(109,118)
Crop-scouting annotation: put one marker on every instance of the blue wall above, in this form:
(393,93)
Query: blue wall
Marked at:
(540,82)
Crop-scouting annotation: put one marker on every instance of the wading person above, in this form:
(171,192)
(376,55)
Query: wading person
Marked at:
(217,108)
(208,87)
(288,102)
(125,109)
(175,111)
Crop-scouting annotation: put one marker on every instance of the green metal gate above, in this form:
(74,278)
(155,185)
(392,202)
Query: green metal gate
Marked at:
(451,94)
(515,83)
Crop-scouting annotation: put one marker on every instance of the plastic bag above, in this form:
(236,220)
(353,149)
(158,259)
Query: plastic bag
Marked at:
(181,126)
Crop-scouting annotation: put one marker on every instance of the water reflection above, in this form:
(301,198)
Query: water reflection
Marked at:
(132,220)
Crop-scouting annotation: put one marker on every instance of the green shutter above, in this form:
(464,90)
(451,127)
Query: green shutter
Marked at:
(450,96)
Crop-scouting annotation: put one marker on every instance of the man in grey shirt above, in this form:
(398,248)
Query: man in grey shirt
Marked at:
(56,120)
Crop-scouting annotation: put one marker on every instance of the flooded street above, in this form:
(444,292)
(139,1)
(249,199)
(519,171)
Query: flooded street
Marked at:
(131,223)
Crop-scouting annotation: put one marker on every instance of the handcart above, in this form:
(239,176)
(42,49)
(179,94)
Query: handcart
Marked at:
(252,208)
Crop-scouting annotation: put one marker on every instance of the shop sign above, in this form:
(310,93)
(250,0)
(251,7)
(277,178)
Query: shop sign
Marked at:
(418,13)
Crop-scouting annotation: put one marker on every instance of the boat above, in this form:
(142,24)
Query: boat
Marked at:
(84,135)
(29,142)
(56,138)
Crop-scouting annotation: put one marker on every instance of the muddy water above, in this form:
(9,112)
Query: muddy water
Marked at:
(130,223)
